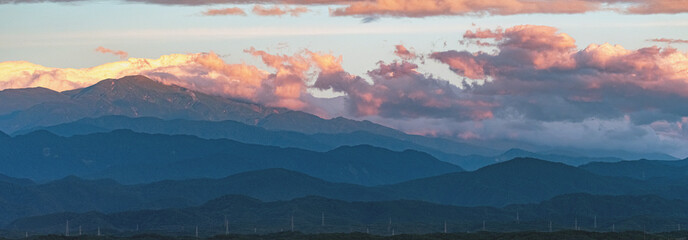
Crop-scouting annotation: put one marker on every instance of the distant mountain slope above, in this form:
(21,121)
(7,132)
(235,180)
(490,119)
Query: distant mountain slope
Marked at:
(78,195)
(317,214)
(17,181)
(14,100)
(522,180)
(131,96)
(131,157)
(640,169)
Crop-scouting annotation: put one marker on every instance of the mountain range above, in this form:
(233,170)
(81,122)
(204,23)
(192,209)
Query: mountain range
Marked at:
(317,142)
(133,152)
(130,157)
(114,104)
(139,96)
(512,182)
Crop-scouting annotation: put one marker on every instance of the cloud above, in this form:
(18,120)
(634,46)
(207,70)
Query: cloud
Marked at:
(279,11)
(403,53)
(425,8)
(198,2)
(373,9)
(225,12)
(668,41)
(657,6)
(120,53)
(428,8)
(400,91)
(539,73)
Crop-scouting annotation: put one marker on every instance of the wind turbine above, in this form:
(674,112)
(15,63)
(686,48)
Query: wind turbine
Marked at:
(226,226)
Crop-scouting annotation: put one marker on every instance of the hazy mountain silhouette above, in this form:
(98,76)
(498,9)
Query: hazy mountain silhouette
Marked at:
(14,100)
(641,169)
(476,161)
(239,132)
(131,157)
(522,180)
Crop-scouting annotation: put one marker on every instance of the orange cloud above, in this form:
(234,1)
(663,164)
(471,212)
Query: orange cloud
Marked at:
(279,11)
(225,12)
(404,53)
(657,6)
(121,54)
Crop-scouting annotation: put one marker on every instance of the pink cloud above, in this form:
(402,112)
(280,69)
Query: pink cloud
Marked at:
(539,73)
(668,40)
(225,12)
(121,54)
(425,8)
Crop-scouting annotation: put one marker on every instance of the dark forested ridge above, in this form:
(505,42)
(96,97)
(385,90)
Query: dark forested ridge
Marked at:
(79,195)
(317,215)
(529,235)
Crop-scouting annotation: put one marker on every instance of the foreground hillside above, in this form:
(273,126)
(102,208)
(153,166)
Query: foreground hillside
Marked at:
(559,235)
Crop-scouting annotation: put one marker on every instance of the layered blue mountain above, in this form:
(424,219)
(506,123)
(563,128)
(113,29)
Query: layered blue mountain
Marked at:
(79,195)
(317,214)
(318,142)
(138,96)
(130,157)
(473,162)
(525,180)
(241,132)
(520,181)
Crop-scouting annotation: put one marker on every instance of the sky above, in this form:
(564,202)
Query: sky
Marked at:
(584,74)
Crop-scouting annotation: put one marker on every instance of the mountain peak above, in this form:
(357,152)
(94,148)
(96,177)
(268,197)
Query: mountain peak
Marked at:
(40,134)
(526,164)
(121,86)
(516,153)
